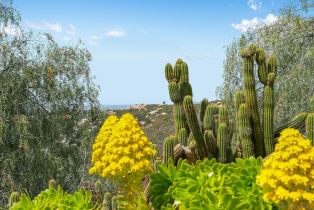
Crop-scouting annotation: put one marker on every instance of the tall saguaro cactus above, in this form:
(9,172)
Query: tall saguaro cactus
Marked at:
(194,126)
(168,146)
(251,99)
(309,125)
(222,143)
(245,131)
(267,72)
(178,86)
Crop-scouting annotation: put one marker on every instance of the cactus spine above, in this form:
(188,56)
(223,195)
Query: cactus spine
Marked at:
(297,122)
(251,99)
(310,127)
(194,126)
(204,104)
(178,86)
(239,99)
(245,131)
(211,144)
(267,75)
(183,137)
(223,115)
(209,118)
(222,144)
(168,146)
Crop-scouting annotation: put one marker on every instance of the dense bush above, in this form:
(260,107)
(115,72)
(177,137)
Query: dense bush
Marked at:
(56,199)
(208,185)
(49,110)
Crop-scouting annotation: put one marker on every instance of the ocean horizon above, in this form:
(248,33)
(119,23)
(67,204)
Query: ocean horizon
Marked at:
(115,106)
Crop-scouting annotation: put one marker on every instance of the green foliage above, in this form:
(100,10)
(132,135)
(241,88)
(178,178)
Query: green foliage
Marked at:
(160,191)
(56,199)
(14,198)
(212,185)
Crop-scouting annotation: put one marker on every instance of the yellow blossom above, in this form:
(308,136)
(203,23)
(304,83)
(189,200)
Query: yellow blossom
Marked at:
(287,176)
(121,151)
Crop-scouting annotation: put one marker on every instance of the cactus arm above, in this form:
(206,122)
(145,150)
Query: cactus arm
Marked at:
(194,126)
(222,143)
(310,127)
(297,122)
(245,132)
(251,98)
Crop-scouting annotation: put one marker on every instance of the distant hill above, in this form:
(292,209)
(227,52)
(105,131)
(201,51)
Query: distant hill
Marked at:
(156,120)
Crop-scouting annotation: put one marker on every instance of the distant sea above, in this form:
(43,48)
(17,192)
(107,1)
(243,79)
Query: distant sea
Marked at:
(114,107)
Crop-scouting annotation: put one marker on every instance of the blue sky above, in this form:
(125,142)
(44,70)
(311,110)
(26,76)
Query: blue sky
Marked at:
(131,41)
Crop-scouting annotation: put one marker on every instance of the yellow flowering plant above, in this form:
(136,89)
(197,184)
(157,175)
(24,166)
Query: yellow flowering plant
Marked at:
(287,176)
(122,153)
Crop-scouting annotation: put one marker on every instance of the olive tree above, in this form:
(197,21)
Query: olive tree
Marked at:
(49,110)
(291,38)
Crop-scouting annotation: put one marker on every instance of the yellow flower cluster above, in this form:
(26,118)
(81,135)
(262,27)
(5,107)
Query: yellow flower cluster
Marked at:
(287,177)
(121,150)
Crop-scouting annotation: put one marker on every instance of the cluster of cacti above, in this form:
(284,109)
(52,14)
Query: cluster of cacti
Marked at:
(213,134)
(250,134)
(195,140)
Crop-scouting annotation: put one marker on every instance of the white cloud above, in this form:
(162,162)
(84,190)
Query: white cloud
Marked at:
(44,25)
(95,39)
(270,19)
(10,30)
(254,4)
(71,30)
(245,24)
(115,33)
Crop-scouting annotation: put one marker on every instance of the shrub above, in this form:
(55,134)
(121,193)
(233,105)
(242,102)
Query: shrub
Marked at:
(209,185)
(287,177)
(56,199)
(122,153)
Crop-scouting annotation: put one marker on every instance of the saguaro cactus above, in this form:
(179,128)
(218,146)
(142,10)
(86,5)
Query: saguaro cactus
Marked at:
(209,118)
(204,104)
(222,143)
(251,99)
(168,146)
(310,127)
(297,122)
(178,86)
(211,144)
(239,99)
(267,74)
(223,115)
(183,137)
(245,131)
(194,126)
